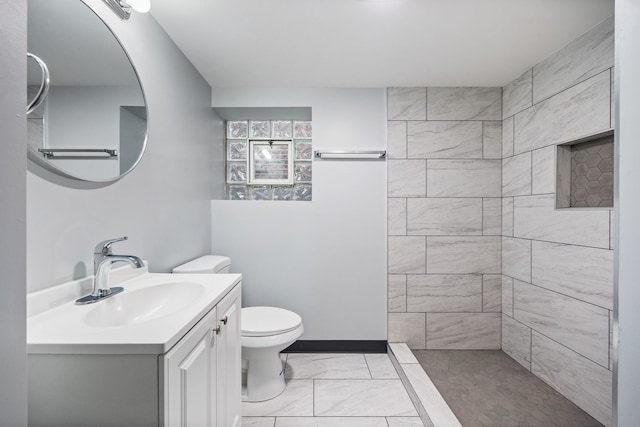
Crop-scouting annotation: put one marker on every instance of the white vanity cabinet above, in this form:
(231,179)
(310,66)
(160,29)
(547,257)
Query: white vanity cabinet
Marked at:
(202,373)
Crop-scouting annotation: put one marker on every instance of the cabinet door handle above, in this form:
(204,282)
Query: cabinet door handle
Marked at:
(225,319)
(217,330)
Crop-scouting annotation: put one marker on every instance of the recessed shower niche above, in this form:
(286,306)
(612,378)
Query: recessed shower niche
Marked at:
(584,177)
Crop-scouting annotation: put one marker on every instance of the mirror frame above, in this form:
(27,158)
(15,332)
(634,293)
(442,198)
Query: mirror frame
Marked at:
(39,159)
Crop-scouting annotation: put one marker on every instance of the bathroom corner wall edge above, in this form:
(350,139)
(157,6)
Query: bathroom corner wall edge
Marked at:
(13,134)
(337,346)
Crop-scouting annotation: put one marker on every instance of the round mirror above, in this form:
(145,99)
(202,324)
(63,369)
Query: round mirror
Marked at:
(92,124)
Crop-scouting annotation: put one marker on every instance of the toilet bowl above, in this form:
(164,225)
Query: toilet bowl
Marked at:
(265,332)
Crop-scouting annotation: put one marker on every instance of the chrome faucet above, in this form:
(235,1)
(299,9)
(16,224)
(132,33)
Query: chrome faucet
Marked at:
(103,257)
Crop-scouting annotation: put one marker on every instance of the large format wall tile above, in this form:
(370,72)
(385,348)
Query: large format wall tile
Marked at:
(408,328)
(516,341)
(406,178)
(462,255)
(492,293)
(507,216)
(576,271)
(585,57)
(440,216)
(407,103)
(516,96)
(536,218)
(444,293)
(396,293)
(587,384)
(444,139)
(406,254)
(396,140)
(492,216)
(464,103)
(463,178)
(516,175)
(507,137)
(463,331)
(397,216)
(543,170)
(578,111)
(492,139)
(516,258)
(578,325)
(507,295)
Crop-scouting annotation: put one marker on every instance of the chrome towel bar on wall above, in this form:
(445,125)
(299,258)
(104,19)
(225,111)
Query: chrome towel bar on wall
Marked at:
(79,153)
(351,154)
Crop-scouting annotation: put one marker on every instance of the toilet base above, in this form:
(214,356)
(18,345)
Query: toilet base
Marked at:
(265,378)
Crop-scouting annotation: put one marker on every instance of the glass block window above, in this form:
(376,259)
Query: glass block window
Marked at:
(269,160)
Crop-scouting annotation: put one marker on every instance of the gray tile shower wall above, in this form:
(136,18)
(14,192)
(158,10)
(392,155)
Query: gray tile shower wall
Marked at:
(557,265)
(444,217)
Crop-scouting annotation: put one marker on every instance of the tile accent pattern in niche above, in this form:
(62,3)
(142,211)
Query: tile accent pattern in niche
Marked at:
(592,174)
(238,135)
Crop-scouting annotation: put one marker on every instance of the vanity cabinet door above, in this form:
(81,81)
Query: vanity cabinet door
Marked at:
(190,377)
(229,362)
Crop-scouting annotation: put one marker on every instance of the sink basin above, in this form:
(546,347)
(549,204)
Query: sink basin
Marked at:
(142,305)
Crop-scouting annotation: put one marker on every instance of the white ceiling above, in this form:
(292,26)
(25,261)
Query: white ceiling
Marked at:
(372,43)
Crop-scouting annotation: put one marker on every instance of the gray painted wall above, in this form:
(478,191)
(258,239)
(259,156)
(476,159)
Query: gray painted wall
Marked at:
(627,389)
(13,135)
(325,259)
(164,204)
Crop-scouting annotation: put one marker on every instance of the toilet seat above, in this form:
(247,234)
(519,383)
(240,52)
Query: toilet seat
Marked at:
(268,321)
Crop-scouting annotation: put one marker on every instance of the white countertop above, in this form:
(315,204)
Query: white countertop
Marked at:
(56,325)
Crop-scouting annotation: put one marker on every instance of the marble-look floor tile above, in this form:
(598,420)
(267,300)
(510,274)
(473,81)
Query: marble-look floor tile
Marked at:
(463,255)
(326,366)
(516,175)
(492,293)
(507,295)
(442,216)
(331,422)
(463,178)
(491,216)
(516,96)
(404,422)
(516,258)
(445,293)
(396,293)
(406,178)
(587,384)
(543,170)
(464,103)
(463,331)
(576,271)
(295,400)
(380,366)
(580,326)
(444,139)
(507,216)
(381,398)
(402,353)
(516,341)
(397,140)
(406,254)
(535,217)
(576,112)
(584,57)
(439,412)
(507,137)
(258,421)
(407,103)
(396,216)
(407,328)
(492,139)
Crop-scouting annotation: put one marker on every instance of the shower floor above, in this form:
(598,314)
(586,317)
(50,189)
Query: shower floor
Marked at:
(488,388)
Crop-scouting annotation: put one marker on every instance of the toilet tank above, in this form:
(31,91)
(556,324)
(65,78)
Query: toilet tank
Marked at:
(208,264)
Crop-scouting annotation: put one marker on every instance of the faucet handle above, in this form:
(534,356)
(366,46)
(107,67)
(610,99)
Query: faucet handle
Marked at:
(104,247)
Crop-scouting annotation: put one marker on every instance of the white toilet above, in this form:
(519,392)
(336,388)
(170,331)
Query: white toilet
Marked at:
(266,331)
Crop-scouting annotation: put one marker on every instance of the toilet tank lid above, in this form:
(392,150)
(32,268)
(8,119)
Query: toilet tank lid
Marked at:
(204,264)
